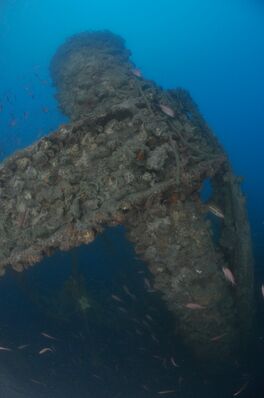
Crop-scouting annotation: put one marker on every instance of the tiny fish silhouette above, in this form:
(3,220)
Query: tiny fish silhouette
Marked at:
(167,110)
(229,276)
(194,306)
(262,290)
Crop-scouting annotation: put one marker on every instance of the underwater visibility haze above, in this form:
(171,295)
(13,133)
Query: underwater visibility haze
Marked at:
(131,199)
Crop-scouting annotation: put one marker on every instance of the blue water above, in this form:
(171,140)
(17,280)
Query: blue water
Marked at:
(215,49)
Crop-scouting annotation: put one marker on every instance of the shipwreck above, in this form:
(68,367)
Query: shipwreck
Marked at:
(138,155)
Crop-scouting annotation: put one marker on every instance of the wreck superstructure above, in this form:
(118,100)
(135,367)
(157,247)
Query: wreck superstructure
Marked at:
(123,160)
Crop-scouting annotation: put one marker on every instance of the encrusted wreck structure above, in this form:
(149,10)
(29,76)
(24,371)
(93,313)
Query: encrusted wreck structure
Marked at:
(137,155)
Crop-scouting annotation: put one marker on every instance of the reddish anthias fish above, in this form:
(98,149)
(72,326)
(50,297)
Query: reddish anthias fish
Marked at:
(174,363)
(262,290)
(167,110)
(166,392)
(23,346)
(116,298)
(218,337)
(48,336)
(44,350)
(194,306)
(242,388)
(13,122)
(137,72)
(5,349)
(229,276)
(216,211)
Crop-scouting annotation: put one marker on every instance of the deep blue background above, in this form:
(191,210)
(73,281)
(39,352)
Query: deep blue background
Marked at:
(215,49)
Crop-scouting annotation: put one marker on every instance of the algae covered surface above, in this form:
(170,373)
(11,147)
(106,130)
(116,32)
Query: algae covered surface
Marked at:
(136,155)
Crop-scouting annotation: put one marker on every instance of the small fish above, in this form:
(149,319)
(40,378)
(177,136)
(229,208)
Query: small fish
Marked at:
(219,337)
(216,211)
(26,115)
(97,377)
(137,72)
(154,338)
(194,306)
(44,350)
(228,275)
(174,363)
(145,387)
(45,109)
(167,110)
(116,298)
(48,336)
(5,349)
(166,392)
(22,346)
(122,309)
(128,292)
(146,324)
(262,290)
(37,382)
(13,122)
(149,317)
(242,388)
(8,98)
(147,284)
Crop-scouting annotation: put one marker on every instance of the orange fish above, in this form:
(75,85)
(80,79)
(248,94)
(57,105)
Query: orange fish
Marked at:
(229,276)
(194,306)
(167,110)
